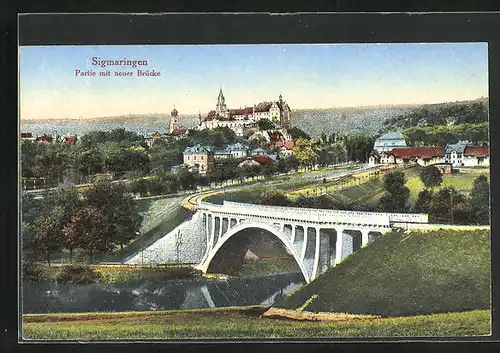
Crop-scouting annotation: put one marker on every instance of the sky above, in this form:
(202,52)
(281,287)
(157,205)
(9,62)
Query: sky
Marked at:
(306,75)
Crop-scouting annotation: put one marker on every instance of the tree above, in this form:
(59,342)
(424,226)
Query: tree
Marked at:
(88,229)
(186,179)
(297,133)
(449,206)
(265,124)
(273,197)
(118,209)
(480,200)
(91,161)
(178,245)
(305,202)
(358,146)
(304,152)
(51,165)
(292,163)
(397,194)
(424,201)
(431,176)
(47,236)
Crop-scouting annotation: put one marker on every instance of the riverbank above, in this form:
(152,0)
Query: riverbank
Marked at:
(245,322)
(111,274)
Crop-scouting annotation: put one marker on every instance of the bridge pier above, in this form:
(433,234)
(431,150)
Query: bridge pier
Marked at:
(338,245)
(364,237)
(316,254)
(219,233)
(304,245)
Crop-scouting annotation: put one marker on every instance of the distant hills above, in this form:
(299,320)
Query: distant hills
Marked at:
(368,119)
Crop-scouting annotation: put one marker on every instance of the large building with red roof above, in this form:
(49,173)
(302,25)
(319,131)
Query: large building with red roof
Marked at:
(473,156)
(476,156)
(423,156)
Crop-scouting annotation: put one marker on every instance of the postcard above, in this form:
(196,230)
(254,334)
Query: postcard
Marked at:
(254,191)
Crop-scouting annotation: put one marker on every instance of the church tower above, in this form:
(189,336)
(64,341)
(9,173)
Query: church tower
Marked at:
(174,120)
(221,105)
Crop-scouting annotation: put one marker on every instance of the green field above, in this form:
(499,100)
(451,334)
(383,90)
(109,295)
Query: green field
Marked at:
(244,323)
(462,182)
(368,192)
(252,193)
(402,274)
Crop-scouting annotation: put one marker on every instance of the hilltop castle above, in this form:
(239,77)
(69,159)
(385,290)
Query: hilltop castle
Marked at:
(237,119)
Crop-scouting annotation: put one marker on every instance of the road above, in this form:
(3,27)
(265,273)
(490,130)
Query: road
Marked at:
(191,201)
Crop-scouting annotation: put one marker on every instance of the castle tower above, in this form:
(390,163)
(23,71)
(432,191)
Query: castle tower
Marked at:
(221,105)
(174,120)
(284,113)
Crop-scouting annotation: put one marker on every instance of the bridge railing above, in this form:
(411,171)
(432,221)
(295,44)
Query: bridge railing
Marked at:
(314,215)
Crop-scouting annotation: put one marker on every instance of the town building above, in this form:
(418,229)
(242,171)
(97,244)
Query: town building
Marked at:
(389,141)
(243,118)
(174,129)
(27,136)
(423,156)
(249,162)
(475,156)
(70,139)
(154,137)
(45,138)
(258,152)
(236,150)
(287,149)
(256,161)
(454,153)
(200,157)
(444,168)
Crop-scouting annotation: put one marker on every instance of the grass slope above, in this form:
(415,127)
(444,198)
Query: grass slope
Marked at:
(402,274)
(244,323)
(368,192)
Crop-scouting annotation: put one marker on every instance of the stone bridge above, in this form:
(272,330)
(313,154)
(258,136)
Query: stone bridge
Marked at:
(316,238)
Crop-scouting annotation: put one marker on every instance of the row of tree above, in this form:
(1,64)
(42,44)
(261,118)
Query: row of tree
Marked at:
(474,112)
(444,205)
(100,219)
(443,134)
(119,152)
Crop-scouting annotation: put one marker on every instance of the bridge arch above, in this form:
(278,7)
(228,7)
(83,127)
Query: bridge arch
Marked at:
(260,225)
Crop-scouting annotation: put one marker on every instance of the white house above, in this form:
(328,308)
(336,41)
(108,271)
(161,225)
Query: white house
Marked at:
(423,156)
(389,141)
(454,153)
(476,156)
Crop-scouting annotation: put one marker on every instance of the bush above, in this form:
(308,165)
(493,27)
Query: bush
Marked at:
(431,176)
(32,272)
(77,274)
(179,273)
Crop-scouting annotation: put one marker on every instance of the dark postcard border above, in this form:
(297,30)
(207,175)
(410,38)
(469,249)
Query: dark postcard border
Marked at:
(259,28)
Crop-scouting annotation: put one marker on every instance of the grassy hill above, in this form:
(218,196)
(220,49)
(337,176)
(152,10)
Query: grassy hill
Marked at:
(403,274)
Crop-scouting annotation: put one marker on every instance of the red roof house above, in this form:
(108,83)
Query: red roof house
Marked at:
(70,139)
(476,151)
(45,138)
(422,155)
(262,160)
(289,144)
(418,152)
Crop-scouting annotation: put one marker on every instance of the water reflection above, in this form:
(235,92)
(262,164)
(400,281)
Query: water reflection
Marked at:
(178,294)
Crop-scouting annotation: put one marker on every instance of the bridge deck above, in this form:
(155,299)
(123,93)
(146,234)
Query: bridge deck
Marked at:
(312,215)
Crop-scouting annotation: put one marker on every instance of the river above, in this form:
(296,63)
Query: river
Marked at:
(175,294)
